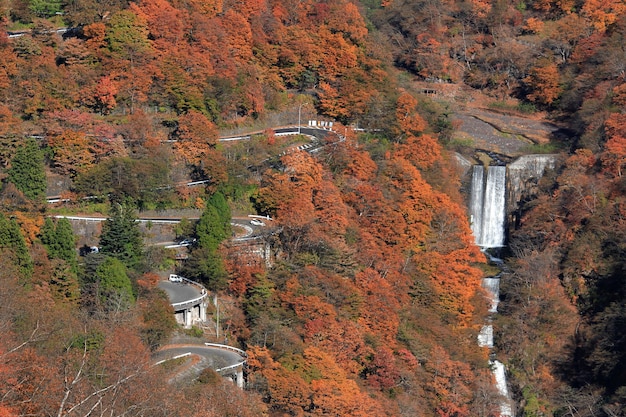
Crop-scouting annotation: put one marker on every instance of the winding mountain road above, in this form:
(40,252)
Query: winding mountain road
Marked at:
(226,360)
(221,358)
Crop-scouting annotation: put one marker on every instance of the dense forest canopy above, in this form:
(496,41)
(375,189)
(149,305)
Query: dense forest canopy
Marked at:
(373,303)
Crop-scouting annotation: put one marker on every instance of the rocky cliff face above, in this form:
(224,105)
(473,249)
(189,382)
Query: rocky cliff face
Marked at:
(523,175)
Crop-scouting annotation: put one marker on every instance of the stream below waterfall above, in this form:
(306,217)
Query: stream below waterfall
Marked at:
(485,339)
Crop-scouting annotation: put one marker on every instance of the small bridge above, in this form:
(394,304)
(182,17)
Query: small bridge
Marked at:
(188,298)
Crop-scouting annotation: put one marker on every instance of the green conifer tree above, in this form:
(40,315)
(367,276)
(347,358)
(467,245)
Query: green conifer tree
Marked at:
(12,240)
(205,263)
(66,242)
(210,229)
(121,237)
(158,318)
(60,241)
(116,290)
(218,201)
(206,266)
(47,235)
(214,224)
(64,282)
(258,297)
(27,171)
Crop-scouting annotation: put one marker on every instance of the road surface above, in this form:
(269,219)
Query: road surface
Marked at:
(199,358)
(179,292)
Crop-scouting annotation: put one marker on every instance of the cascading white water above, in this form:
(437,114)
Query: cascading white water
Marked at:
(485,337)
(488,217)
(494,208)
(500,374)
(487,205)
(492,285)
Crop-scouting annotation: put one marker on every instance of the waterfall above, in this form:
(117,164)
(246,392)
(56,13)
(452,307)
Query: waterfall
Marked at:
(487,205)
(476,202)
(500,374)
(492,285)
(485,337)
(490,192)
(488,221)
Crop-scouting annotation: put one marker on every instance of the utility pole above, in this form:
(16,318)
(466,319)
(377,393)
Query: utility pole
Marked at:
(299,112)
(217,324)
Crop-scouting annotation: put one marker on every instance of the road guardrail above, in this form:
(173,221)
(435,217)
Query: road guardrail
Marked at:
(194,301)
(241,353)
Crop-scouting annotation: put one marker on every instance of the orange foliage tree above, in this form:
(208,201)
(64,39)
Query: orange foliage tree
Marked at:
(333,392)
(72,152)
(614,156)
(287,390)
(379,313)
(316,385)
(197,137)
(602,13)
(544,83)
(450,384)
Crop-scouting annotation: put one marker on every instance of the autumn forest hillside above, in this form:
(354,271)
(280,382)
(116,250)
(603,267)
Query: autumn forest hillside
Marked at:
(372,303)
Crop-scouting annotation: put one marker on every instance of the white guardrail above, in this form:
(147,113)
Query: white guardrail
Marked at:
(102,219)
(173,358)
(241,353)
(193,301)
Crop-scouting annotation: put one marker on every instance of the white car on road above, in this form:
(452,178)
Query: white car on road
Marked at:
(175,278)
(256,222)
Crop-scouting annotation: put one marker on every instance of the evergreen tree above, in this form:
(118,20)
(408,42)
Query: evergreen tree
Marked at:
(205,263)
(59,240)
(218,201)
(89,269)
(11,238)
(210,229)
(121,237)
(47,235)
(60,244)
(66,241)
(64,282)
(27,171)
(258,297)
(116,290)
(214,224)
(158,318)
(206,266)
